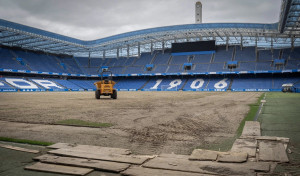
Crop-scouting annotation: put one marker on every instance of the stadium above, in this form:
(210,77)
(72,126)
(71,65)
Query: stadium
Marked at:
(180,88)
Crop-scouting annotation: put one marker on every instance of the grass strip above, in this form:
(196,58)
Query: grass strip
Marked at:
(250,115)
(81,123)
(25,141)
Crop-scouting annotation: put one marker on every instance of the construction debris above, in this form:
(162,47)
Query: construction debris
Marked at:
(19,148)
(58,169)
(246,146)
(204,155)
(91,148)
(207,167)
(232,157)
(95,164)
(142,171)
(272,151)
(132,159)
(251,128)
(251,155)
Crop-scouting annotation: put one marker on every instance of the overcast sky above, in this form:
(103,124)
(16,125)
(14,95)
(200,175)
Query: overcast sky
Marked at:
(94,19)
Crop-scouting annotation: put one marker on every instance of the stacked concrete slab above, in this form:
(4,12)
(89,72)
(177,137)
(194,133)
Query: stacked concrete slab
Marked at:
(251,154)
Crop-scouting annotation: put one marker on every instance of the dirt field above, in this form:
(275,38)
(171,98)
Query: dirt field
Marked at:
(145,122)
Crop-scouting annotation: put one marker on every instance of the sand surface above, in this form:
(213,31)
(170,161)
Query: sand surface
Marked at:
(145,122)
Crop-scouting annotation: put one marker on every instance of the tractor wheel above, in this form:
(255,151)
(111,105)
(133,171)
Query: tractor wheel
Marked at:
(97,94)
(114,95)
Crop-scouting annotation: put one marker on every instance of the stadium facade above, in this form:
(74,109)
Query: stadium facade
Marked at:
(248,57)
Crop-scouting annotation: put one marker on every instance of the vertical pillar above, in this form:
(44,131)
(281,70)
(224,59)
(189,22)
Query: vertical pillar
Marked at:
(241,46)
(89,62)
(256,38)
(163,46)
(103,54)
(227,42)
(292,42)
(151,47)
(256,50)
(272,44)
(200,38)
(118,53)
(139,49)
(127,51)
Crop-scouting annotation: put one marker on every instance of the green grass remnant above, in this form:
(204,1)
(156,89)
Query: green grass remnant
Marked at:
(250,115)
(77,122)
(25,141)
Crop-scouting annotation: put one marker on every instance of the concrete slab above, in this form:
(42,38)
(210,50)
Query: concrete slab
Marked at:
(58,169)
(204,155)
(251,128)
(95,164)
(272,151)
(207,167)
(61,145)
(142,171)
(246,146)
(284,140)
(19,148)
(165,155)
(232,157)
(273,138)
(132,159)
(91,148)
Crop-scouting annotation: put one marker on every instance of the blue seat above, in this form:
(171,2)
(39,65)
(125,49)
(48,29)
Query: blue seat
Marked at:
(222,55)
(67,84)
(247,54)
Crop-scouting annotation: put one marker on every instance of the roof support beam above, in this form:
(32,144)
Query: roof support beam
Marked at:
(139,49)
(241,41)
(227,42)
(163,46)
(151,47)
(118,52)
(38,43)
(128,51)
(19,39)
(33,40)
(292,42)
(10,35)
(51,45)
(219,35)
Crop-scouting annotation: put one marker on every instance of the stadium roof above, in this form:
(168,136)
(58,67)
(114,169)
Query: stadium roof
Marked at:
(285,33)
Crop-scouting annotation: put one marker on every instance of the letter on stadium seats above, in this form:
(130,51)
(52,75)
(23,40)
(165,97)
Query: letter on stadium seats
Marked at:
(46,83)
(21,83)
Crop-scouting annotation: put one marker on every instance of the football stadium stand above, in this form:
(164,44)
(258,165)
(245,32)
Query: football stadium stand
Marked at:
(199,83)
(245,57)
(30,61)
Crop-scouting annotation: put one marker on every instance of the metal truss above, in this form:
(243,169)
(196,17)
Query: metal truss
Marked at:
(284,34)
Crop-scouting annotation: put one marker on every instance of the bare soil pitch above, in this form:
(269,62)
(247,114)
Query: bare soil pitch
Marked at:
(145,122)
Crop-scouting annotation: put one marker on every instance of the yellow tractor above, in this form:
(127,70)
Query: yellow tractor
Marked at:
(105,87)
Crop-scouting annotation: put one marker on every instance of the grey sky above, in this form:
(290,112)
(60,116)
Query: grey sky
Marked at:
(94,19)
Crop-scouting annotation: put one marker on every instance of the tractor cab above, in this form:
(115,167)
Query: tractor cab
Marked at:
(105,87)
